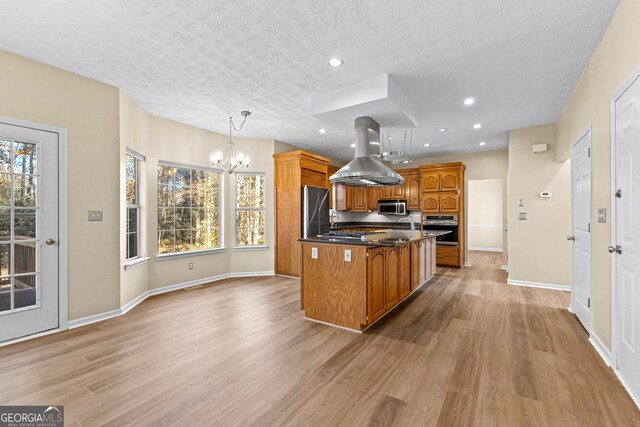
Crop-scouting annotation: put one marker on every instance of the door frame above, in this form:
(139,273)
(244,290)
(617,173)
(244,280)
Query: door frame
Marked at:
(583,133)
(630,80)
(63,218)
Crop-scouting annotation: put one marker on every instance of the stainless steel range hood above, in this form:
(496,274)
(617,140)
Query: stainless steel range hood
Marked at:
(366,169)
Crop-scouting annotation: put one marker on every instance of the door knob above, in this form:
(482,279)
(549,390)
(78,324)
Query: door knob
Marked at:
(617,249)
(50,242)
(571,237)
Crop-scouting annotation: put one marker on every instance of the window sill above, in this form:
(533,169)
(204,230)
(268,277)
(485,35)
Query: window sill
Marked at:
(164,257)
(128,265)
(251,248)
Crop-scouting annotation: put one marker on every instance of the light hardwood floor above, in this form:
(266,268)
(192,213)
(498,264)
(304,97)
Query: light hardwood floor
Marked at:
(465,350)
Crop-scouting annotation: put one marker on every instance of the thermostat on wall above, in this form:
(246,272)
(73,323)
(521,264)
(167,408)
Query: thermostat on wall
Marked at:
(545,194)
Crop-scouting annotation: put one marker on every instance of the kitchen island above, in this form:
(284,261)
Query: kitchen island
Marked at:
(352,283)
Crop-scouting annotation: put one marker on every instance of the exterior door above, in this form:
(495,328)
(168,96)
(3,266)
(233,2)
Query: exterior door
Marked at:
(28,231)
(581,229)
(626,261)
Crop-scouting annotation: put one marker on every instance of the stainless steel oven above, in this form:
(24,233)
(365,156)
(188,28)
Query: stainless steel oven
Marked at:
(392,207)
(443,223)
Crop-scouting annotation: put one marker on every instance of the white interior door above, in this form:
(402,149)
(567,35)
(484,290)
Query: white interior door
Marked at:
(581,229)
(28,231)
(627,234)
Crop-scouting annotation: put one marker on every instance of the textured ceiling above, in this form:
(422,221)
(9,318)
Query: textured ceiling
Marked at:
(196,61)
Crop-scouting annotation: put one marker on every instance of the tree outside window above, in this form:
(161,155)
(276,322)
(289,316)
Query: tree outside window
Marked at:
(250,209)
(188,209)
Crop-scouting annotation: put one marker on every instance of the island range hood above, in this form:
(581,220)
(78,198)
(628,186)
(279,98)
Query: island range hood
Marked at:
(366,169)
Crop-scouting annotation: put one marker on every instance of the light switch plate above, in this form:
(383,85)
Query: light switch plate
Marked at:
(522,216)
(95,215)
(520,203)
(602,215)
(347,255)
(314,253)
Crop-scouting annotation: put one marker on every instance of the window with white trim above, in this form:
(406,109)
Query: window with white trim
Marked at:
(250,209)
(189,208)
(132,183)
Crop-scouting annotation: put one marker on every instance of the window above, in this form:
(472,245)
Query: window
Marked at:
(133,204)
(188,208)
(250,209)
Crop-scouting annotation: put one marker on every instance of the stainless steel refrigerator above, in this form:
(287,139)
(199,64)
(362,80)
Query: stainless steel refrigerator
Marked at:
(315,211)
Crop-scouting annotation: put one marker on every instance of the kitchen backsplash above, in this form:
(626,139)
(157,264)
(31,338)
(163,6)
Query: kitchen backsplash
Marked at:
(345,216)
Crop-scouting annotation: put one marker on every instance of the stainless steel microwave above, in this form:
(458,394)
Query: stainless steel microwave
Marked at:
(392,207)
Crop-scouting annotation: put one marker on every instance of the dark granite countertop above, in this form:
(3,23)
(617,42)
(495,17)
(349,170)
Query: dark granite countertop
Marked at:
(393,241)
(395,225)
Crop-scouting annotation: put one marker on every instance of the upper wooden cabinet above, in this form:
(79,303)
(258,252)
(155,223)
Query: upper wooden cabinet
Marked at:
(441,188)
(412,190)
(343,197)
(449,180)
(292,170)
(359,199)
(372,198)
(430,181)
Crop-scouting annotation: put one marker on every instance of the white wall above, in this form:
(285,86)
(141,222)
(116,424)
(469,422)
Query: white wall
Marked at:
(485,214)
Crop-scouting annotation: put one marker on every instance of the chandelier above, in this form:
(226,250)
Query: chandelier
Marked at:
(400,155)
(234,158)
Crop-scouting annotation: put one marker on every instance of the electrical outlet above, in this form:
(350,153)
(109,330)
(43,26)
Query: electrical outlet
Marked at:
(95,215)
(522,216)
(190,266)
(347,255)
(314,253)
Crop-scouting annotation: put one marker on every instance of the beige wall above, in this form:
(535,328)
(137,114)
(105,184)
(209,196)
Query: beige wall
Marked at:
(483,165)
(485,214)
(89,111)
(538,248)
(613,60)
(172,141)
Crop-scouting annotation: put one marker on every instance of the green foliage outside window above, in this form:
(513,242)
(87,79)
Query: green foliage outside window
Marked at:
(250,210)
(188,209)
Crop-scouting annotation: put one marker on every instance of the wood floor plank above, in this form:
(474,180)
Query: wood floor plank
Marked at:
(464,350)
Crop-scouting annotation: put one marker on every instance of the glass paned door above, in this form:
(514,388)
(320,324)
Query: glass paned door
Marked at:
(29,281)
(19,214)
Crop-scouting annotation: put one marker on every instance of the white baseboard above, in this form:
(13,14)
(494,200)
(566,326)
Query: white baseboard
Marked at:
(539,285)
(477,248)
(467,264)
(626,387)
(602,350)
(83,321)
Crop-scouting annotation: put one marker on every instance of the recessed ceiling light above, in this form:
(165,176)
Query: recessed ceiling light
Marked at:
(482,143)
(335,62)
(390,138)
(353,145)
(477,126)
(443,130)
(322,130)
(427,145)
(469,101)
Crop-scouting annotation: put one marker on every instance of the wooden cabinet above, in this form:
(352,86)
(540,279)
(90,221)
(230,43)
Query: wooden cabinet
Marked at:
(415,276)
(431,203)
(449,180)
(376,275)
(442,188)
(392,277)
(404,272)
(385,193)
(449,203)
(397,192)
(359,199)
(292,170)
(372,198)
(342,197)
(429,181)
(412,191)
(448,256)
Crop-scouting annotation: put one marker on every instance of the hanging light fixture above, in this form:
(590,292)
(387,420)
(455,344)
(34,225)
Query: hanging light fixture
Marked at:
(233,159)
(400,155)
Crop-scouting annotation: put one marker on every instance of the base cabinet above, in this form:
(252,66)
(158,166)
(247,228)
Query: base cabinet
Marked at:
(376,274)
